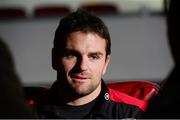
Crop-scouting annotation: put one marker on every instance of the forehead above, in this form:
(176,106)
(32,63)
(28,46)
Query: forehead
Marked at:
(86,42)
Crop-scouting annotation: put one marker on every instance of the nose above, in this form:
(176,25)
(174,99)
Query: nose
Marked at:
(83,64)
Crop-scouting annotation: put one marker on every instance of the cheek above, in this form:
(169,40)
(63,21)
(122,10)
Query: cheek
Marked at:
(67,64)
(98,69)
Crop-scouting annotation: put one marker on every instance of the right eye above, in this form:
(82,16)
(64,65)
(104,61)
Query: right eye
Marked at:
(69,55)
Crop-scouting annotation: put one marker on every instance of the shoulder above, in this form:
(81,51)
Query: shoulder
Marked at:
(119,97)
(135,93)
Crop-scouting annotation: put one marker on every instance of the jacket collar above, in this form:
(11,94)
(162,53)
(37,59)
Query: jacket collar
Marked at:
(55,89)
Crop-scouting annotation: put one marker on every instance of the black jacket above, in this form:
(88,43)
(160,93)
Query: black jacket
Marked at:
(109,104)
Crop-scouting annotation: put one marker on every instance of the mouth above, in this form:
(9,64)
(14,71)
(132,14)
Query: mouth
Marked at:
(79,78)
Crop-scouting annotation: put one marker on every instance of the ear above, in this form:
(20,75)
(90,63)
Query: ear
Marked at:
(54,59)
(107,60)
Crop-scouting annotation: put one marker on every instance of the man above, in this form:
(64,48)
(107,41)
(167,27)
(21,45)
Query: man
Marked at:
(80,56)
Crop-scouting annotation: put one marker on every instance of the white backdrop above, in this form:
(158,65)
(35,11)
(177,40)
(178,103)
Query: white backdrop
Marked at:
(139,48)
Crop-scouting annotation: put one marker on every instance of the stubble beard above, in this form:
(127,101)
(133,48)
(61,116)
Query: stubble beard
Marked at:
(80,90)
(75,90)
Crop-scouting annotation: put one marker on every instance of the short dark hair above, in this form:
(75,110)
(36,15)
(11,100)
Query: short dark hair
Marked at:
(82,21)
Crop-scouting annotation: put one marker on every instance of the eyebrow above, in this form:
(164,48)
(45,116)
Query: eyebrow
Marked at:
(70,51)
(76,52)
(96,53)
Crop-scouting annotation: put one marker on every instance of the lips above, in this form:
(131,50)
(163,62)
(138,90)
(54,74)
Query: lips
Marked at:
(79,77)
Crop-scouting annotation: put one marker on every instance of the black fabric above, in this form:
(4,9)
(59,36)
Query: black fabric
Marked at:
(74,112)
(167,103)
(50,106)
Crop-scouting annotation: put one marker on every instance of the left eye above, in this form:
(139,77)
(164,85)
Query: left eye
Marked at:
(94,57)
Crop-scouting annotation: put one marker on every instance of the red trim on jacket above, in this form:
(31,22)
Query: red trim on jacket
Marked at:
(120,97)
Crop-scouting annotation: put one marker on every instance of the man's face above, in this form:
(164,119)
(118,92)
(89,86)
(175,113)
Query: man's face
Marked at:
(83,62)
